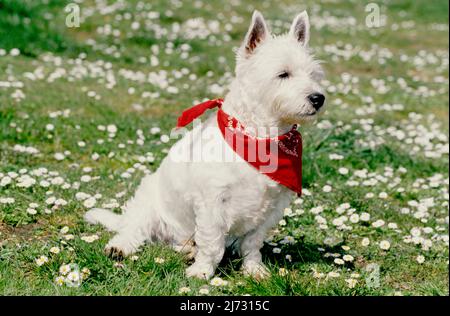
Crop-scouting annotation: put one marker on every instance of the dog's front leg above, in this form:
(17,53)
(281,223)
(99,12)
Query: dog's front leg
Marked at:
(210,240)
(252,243)
(252,260)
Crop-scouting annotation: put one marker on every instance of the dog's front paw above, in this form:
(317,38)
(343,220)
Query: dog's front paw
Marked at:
(119,248)
(256,270)
(200,270)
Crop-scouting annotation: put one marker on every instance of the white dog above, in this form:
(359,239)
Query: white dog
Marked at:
(201,207)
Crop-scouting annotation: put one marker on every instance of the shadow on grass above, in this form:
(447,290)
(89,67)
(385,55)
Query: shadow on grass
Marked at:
(302,253)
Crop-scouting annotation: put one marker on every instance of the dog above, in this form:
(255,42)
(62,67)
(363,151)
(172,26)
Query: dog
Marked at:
(202,207)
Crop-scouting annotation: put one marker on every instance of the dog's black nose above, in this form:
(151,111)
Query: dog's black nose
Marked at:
(317,100)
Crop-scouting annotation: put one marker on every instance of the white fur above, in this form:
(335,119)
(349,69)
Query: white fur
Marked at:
(215,203)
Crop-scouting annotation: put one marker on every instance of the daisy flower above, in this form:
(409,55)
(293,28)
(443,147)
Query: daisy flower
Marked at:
(348,258)
(339,261)
(55,250)
(184,290)
(327,188)
(385,245)
(73,279)
(218,282)
(69,237)
(64,269)
(41,260)
(318,275)
(365,217)
(89,239)
(351,283)
(204,291)
(365,242)
(85,272)
(159,260)
(276,250)
(333,274)
(31,211)
(420,259)
(283,272)
(59,280)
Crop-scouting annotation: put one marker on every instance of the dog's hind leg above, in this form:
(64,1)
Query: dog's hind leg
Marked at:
(133,232)
(125,243)
(130,235)
(137,224)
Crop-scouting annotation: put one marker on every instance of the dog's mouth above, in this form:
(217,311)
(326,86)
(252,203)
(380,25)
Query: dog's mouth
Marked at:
(307,114)
(302,117)
(311,113)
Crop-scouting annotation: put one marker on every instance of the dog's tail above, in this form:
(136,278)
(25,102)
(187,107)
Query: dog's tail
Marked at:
(107,218)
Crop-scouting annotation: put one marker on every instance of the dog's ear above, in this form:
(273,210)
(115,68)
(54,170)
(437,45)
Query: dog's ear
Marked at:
(257,33)
(300,28)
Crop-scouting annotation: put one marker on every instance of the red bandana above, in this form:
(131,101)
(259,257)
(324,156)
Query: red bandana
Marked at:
(284,150)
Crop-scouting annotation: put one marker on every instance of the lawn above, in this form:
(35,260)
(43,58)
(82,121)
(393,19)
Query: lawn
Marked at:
(85,113)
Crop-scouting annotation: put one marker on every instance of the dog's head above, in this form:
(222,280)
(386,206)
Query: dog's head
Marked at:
(278,73)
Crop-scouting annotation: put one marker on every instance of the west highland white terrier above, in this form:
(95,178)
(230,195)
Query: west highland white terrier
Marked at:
(201,206)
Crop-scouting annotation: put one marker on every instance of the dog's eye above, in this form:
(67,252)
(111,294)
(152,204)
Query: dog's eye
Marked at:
(283,75)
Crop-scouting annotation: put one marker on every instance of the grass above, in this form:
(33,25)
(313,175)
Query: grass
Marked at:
(362,131)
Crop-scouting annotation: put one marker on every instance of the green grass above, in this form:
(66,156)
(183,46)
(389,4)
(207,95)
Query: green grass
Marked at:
(48,47)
